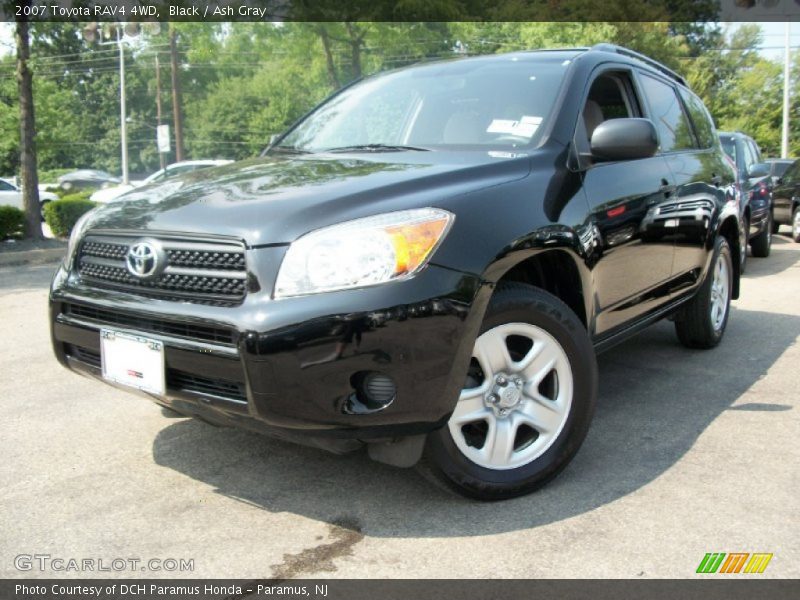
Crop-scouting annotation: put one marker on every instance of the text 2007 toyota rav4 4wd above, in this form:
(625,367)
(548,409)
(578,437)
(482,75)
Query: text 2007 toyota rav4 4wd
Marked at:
(425,265)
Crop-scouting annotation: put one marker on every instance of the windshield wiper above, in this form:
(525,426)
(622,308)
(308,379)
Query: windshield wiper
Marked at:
(288,150)
(376,148)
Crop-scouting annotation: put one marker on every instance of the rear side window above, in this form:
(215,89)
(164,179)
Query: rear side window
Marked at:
(670,121)
(703,126)
(755,149)
(749,155)
(6,187)
(729,146)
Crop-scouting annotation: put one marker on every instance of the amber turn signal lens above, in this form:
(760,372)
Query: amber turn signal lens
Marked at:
(413,243)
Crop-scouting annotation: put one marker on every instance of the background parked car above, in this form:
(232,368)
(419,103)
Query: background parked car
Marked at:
(11,195)
(755,187)
(777,167)
(179,168)
(86,179)
(786,198)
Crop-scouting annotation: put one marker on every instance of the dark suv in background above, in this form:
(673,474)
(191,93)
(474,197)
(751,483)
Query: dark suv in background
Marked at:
(786,196)
(756,189)
(425,265)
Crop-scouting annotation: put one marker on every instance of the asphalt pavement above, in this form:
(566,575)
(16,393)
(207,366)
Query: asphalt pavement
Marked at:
(690,452)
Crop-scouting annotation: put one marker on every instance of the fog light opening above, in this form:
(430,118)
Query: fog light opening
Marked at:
(373,391)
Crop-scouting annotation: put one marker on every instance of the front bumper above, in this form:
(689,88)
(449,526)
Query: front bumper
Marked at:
(286,367)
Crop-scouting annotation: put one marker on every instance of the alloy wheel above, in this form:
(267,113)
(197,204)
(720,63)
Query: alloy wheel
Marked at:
(720,290)
(744,239)
(517,398)
(796,224)
(769,229)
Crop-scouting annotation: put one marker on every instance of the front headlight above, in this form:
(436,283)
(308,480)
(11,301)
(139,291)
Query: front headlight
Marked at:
(75,236)
(363,252)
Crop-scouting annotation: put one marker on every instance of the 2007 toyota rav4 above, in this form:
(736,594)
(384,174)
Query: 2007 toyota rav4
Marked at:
(425,265)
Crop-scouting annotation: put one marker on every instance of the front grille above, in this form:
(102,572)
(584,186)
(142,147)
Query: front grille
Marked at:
(84,355)
(176,380)
(685,207)
(190,331)
(187,382)
(195,271)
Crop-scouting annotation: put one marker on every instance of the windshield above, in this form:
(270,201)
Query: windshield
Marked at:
(467,104)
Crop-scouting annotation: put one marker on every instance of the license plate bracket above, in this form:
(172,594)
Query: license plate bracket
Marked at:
(133,360)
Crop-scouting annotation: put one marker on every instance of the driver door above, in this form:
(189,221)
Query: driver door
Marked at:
(634,260)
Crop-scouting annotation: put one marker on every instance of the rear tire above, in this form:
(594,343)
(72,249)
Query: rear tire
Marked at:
(527,403)
(701,323)
(761,244)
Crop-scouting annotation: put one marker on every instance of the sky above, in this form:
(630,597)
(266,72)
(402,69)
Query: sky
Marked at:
(772,45)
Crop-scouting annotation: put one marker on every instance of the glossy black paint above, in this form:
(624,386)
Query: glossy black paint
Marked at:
(631,241)
(786,194)
(624,139)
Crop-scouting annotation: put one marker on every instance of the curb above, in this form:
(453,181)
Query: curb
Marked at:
(39,256)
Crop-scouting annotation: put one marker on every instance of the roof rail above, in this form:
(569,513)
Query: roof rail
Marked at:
(605,47)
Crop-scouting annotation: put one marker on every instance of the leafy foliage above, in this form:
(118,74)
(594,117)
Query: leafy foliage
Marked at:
(61,215)
(12,222)
(243,82)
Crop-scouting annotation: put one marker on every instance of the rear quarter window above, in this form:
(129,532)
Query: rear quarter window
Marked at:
(703,125)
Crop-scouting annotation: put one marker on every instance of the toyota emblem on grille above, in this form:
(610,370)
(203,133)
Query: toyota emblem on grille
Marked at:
(144,259)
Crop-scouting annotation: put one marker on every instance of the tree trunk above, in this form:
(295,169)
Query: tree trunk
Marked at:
(326,44)
(355,48)
(177,117)
(27,130)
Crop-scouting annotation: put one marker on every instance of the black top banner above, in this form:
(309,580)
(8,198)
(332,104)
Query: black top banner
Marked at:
(399,10)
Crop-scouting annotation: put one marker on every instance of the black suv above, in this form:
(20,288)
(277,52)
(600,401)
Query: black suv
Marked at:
(755,187)
(425,264)
(786,197)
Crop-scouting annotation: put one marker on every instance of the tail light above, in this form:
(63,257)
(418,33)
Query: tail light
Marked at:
(761,190)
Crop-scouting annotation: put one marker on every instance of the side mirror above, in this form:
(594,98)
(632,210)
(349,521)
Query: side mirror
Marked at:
(624,139)
(758,170)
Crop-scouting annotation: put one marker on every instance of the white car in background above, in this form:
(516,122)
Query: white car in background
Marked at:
(178,168)
(11,195)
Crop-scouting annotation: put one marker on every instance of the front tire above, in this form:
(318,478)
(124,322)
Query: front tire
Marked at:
(701,323)
(527,403)
(762,243)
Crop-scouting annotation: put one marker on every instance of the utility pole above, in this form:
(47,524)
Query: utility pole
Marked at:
(27,127)
(787,67)
(122,108)
(176,95)
(161,157)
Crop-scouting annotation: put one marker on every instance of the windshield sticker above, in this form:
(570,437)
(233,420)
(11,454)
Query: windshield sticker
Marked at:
(525,127)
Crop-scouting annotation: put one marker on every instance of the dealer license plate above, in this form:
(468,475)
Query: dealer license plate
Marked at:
(132,360)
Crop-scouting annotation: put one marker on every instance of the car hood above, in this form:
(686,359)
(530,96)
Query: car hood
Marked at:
(110,193)
(276,199)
